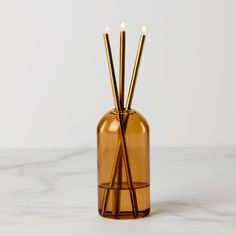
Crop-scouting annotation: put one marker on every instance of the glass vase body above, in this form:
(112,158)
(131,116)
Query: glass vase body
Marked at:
(114,191)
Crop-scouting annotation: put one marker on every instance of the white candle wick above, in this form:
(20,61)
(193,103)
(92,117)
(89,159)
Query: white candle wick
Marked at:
(143,30)
(107,29)
(122,26)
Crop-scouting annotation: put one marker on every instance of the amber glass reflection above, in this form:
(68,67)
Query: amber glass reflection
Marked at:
(137,142)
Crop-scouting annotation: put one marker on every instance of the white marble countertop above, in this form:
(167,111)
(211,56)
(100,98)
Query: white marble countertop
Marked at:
(53,192)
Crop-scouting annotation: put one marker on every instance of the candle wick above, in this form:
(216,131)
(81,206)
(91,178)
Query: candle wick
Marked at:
(143,30)
(122,26)
(107,29)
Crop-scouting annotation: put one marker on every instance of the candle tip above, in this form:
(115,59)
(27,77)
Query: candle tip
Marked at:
(143,30)
(107,29)
(122,26)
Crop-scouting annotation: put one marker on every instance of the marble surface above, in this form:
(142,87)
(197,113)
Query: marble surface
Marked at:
(53,192)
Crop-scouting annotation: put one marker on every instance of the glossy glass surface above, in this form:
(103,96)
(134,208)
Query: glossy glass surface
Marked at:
(137,142)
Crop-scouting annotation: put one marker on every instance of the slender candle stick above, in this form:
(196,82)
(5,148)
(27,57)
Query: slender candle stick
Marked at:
(122,64)
(117,193)
(121,129)
(136,68)
(128,105)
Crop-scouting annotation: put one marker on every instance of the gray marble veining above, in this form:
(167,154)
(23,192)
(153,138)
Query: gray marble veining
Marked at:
(53,192)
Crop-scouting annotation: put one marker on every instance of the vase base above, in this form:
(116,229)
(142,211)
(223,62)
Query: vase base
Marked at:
(125,215)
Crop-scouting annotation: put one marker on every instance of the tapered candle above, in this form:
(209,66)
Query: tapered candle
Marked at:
(116,198)
(128,105)
(122,65)
(121,130)
(136,68)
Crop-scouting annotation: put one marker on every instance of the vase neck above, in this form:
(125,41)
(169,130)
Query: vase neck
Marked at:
(125,112)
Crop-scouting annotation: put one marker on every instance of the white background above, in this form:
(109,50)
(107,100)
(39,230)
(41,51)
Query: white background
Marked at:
(54,83)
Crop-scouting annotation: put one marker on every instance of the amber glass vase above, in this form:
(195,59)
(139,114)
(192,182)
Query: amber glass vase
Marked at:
(114,192)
